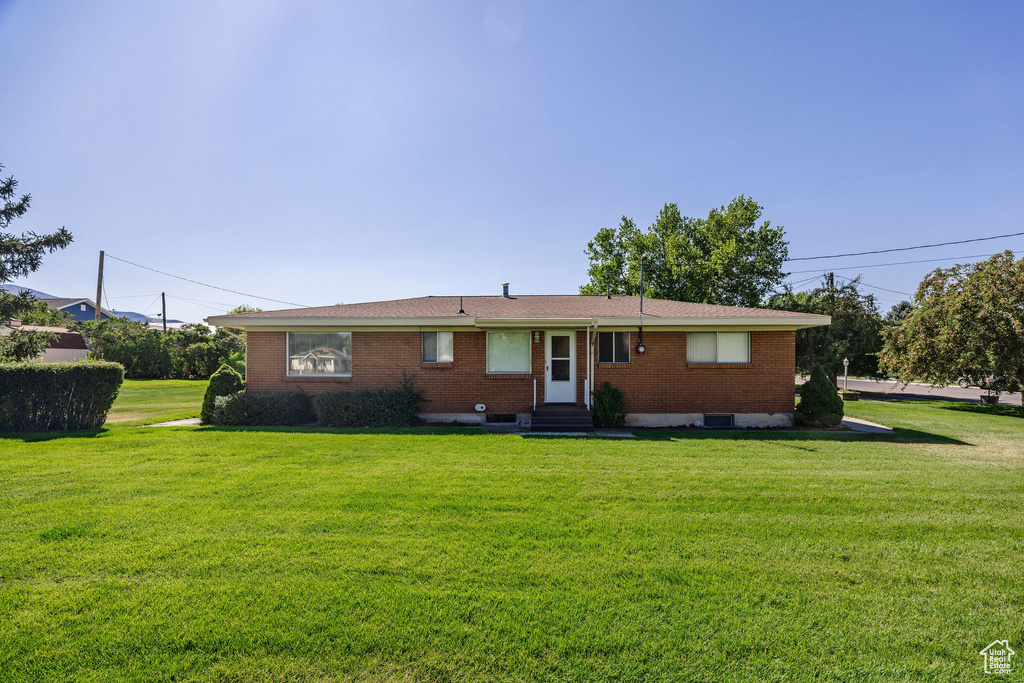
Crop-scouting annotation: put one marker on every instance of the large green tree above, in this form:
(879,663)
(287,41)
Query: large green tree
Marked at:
(726,258)
(967,321)
(19,256)
(855,332)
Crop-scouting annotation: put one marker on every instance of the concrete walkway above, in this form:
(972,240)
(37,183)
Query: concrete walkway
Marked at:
(865,427)
(187,422)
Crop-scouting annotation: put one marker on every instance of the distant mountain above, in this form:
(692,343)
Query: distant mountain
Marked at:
(141,317)
(15,289)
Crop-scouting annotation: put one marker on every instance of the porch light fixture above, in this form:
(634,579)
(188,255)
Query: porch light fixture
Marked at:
(536,337)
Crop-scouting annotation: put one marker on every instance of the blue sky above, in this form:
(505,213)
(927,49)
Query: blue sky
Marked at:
(321,152)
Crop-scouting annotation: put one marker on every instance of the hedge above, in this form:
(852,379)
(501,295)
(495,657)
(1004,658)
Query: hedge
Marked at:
(261,410)
(39,397)
(383,408)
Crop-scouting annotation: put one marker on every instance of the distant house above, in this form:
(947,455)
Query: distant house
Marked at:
(68,345)
(79,310)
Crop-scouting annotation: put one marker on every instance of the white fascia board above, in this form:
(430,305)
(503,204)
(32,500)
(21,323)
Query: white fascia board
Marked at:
(760,323)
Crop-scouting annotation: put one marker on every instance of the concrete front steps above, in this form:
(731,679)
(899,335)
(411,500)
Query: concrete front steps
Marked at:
(557,417)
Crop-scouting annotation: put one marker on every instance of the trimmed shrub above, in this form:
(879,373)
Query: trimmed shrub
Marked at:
(222,383)
(261,410)
(384,408)
(39,397)
(609,407)
(820,404)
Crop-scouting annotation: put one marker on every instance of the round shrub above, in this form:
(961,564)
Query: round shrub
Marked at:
(222,383)
(820,404)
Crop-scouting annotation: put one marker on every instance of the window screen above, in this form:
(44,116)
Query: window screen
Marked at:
(718,347)
(702,347)
(438,347)
(320,353)
(613,347)
(508,352)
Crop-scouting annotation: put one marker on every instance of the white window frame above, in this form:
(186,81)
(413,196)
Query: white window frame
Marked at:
(529,349)
(435,361)
(288,355)
(716,361)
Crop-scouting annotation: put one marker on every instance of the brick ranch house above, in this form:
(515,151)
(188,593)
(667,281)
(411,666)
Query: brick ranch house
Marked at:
(500,358)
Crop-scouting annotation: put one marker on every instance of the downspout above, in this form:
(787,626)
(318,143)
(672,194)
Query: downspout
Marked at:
(586,385)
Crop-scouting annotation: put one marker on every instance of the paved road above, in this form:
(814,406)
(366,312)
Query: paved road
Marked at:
(923,391)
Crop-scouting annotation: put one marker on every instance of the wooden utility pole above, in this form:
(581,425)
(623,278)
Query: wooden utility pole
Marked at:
(163,303)
(99,287)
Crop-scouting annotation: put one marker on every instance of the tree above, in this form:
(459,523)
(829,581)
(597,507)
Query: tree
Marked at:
(967,321)
(19,256)
(722,259)
(855,332)
(898,313)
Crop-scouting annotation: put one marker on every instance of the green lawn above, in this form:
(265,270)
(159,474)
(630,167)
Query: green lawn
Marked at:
(302,555)
(146,401)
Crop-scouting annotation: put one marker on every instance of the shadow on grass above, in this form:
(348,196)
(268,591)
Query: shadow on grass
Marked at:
(1001,411)
(379,431)
(32,437)
(901,436)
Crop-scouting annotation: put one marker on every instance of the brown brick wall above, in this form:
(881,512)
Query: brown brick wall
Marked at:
(660,381)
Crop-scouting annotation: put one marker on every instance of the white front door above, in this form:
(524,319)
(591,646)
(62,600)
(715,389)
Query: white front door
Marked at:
(560,368)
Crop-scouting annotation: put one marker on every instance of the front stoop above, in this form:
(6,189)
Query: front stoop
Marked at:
(561,418)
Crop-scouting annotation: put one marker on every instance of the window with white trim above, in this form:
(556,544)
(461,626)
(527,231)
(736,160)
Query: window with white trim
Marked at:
(437,347)
(319,354)
(613,347)
(508,352)
(718,347)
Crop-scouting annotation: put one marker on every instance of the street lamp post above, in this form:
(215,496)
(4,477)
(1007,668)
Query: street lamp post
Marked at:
(846,373)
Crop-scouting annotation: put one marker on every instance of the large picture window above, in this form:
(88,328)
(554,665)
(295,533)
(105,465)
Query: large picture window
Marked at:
(508,352)
(613,347)
(437,347)
(718,347)
(319,354)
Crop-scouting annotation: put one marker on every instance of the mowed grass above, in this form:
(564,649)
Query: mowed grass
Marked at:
(147,401)
(451,555)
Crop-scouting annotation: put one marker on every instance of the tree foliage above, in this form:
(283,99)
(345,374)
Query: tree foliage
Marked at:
(189,352)
(19,256)
(722,259)
(855,332)
(967,321)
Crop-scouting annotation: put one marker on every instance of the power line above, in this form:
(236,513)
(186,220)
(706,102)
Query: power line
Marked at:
(894,263)
(894,291)
(920,246)
(203,284)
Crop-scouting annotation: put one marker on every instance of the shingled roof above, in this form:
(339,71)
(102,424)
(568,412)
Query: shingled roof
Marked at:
(490,310)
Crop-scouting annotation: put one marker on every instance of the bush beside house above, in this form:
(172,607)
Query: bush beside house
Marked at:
(261,410)
(609,407)
(383,408)
(224,382)
(820,404)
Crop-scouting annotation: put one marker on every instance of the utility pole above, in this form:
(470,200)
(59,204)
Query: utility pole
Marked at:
(163,304)
(99,287)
